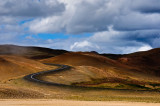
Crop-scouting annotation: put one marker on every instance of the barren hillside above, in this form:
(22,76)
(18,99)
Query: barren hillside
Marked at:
(146,62)
(93,69)
(16,66)
(29,51)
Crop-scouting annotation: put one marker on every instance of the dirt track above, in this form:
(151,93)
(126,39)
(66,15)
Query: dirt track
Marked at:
(21,102)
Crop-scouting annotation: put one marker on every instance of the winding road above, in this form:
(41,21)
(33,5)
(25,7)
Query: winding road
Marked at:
(35,76)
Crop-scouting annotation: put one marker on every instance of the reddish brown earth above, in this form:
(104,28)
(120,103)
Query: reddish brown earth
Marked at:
(127,69)
(15,66)
(146,62)
(139,70)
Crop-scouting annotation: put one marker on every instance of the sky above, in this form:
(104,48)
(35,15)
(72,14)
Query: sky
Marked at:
(105,26)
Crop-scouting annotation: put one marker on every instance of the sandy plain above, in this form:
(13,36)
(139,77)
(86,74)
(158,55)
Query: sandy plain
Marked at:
(54,102)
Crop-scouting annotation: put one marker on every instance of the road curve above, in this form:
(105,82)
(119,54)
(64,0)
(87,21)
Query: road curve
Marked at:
(35,78)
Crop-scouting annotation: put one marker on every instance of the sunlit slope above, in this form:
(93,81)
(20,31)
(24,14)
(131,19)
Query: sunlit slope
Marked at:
(16,66)
(83,59)
(91,69)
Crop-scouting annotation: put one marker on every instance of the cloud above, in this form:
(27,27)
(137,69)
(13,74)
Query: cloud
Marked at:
(79,17)
(30,8)
(118,26)
(112,41)
(8,20)
(145,48)
(85,16)
(84,46)
(146,6)
(156,42)
(14,12)
(137,21)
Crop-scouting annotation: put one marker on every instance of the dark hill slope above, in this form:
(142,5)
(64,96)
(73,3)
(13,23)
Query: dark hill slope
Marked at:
(147,61)
(30,51)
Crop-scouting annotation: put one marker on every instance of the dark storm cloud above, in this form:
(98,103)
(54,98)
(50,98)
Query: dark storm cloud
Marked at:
(146,6)
(84,16)
(150,9)
(136,21)
(30,8)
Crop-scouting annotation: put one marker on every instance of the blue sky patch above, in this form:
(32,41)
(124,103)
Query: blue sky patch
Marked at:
(25,21)
(46,36)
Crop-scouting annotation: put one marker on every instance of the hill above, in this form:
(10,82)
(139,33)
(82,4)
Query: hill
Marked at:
(146,62)
(15,66)
(131,71)
(81,58)
(92,69)
(30,51)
